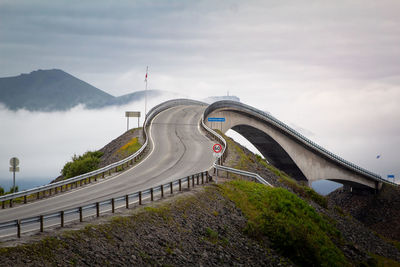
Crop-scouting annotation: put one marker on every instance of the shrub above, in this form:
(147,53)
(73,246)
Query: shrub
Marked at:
(294,227)
(82,164)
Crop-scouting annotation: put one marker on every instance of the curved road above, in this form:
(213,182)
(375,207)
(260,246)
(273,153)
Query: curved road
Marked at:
(178,149)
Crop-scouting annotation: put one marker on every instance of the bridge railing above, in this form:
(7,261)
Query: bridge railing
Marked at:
(63,217)
(93,175)
(294,134)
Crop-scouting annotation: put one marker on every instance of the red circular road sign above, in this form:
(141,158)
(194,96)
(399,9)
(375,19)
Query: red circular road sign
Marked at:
(217,148)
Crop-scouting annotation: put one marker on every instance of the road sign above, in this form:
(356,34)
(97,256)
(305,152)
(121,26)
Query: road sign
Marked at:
(216,119)
(14,162)
(129,114)
(14,169)
(132,113)
(217,148)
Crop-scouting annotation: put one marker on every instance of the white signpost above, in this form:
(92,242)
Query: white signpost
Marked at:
(14,162)
(132,114)
(217,148)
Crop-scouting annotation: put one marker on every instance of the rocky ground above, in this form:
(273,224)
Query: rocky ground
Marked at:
(379,212)
(201,229)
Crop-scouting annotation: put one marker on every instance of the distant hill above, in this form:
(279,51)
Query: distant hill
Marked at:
(53,90)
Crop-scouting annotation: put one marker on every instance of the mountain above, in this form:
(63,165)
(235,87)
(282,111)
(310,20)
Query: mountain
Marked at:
(53,90)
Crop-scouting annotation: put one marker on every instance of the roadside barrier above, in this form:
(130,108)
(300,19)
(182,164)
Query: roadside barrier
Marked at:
(63,217)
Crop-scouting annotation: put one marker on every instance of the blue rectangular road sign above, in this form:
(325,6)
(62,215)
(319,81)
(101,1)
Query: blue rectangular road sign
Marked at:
(216,119)
(390,176)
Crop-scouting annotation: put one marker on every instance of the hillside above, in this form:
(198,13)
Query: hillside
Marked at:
(380,212)
(54,90)
(233,223)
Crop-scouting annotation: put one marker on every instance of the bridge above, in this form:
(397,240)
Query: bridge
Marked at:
(287,149)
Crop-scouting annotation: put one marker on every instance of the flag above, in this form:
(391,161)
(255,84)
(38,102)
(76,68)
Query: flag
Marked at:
(378,156)
(145,77)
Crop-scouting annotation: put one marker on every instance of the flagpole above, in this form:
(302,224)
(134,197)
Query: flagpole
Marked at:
(145,95)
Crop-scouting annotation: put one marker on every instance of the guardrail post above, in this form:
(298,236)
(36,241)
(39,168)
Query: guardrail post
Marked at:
(202,178)
(41,223)
(188,182)
(97,209)
(25,199)
(193,180)
(37,195)
(180,185)
(162,191)
(140,197)
(151,194)
(197,178)
(102,174)
(18,228)
(3,204)
(127,201)
(171,188)
(95,177)
(112,205)
(109,172)
(80,214)
(10,203)
(62,218)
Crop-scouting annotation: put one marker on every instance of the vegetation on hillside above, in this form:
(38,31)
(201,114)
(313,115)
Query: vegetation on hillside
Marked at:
(82,164)
(294,227)
(12,190)
(129,148)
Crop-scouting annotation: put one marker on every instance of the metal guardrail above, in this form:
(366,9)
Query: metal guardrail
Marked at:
(240,107)
(189,181)
(253,175)
(102,171)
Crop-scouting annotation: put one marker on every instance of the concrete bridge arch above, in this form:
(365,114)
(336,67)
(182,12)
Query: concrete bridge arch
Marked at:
(286,149)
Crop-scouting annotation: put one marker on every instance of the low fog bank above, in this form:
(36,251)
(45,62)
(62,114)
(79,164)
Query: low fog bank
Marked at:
(44,141)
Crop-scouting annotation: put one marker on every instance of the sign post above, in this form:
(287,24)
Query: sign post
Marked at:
(14,162)
(131,114)
(217,148)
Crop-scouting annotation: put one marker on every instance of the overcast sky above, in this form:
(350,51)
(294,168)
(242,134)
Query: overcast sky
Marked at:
(328,68)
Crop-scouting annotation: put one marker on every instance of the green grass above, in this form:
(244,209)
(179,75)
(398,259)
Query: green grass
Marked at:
(295,229)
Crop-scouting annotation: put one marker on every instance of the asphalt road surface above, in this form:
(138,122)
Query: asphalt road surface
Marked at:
(178,149)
